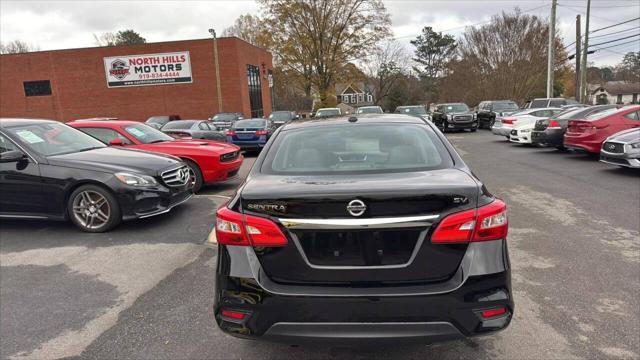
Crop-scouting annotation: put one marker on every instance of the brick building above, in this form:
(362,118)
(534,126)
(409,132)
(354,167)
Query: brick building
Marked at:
(137,81)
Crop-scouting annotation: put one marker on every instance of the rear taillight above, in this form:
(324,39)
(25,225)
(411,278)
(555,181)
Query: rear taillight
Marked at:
(231,133)
(508,121)
(234,228)
(261,132)
(553,124)
(485,223)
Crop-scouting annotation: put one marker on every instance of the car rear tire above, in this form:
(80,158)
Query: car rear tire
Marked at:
(196,175)
(93,209)
(561,148)
(474,130)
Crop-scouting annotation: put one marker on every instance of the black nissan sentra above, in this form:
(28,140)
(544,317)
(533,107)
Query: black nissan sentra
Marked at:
(367,228)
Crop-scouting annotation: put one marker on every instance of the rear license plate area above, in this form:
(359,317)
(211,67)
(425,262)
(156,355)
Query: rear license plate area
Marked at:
(358,247)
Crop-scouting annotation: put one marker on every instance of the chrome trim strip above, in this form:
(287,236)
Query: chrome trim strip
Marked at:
(7,216)
(165,210)
(389,222)
(414,253)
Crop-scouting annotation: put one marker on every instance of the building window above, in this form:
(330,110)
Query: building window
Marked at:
(370,98)
(37,88)
(255,91)
(619,101)
(360,98)
(635,98)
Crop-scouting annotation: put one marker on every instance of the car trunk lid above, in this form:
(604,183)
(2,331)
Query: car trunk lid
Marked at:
(388,244)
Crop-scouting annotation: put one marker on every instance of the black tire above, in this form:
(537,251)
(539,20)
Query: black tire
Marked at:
(474,129)
(196,173)
(80,209)
(561,148)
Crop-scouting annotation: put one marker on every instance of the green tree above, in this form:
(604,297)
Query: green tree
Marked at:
(629,69)
(433,51)
(317,39)
(122,37)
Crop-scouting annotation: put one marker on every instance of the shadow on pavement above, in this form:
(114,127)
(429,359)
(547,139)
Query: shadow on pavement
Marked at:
(189,222)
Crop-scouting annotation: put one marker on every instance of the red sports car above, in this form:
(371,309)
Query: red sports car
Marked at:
(589,134)
(209,161)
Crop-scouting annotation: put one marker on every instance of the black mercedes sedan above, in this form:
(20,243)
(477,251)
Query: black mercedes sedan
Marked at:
(49,170)
(367,228)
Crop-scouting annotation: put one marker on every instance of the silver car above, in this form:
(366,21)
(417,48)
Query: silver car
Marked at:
(503,125)
(622,149)
(196,129)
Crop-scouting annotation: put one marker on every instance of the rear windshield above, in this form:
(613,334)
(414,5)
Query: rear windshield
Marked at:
(370,110)
(540,103)
(249,124)
(226,117)
(158,119)
(602,114)
(412,110)
(281,116)
(507,105)
(356,149)
(328,112)
(178,125)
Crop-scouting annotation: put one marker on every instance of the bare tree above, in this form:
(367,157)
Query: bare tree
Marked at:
(249,28)
(505,59)
(385,67)
(17,47)
(318,38)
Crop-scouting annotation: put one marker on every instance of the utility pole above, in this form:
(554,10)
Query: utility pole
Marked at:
(217,64)
(552,48)
(578,43)
(583,66)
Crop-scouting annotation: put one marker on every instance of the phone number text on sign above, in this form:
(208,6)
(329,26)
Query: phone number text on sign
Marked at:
(138,70)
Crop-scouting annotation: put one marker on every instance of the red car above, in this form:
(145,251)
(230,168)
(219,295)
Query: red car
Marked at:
(589,134)
(209,161)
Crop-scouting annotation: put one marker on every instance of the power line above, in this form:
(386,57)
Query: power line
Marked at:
(616,32)
(610,26)
(616,45)
(610,41)
(583,13)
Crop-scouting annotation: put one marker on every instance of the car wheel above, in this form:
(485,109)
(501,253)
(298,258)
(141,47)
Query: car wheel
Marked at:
(195,174)
(93,209)
(493,121)
(474,129)
(443,126)
(561,148)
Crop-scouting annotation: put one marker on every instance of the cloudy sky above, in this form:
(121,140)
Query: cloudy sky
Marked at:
(71,24)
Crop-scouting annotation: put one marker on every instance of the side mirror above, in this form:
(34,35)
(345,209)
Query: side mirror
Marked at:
(116,142)
(11,156)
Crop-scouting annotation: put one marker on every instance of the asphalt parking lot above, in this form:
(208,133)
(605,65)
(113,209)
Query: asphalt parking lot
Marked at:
(145,290)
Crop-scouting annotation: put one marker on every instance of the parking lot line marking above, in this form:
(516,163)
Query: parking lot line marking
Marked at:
(211,239)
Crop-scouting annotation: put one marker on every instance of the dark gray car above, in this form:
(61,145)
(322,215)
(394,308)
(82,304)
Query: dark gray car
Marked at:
(196,129)
(159,121)
(225,120)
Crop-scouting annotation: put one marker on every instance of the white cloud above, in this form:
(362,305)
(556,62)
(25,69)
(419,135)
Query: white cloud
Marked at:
(71,24)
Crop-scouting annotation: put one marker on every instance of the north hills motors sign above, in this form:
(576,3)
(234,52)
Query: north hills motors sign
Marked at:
(148,69)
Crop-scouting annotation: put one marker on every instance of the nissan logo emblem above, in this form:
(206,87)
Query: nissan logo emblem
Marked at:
(356,207)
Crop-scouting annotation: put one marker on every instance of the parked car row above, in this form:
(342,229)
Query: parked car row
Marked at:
(97,172)
(610,131)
